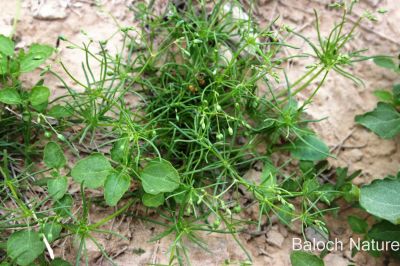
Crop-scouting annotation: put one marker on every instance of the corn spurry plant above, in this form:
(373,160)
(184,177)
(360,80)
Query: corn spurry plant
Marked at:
(173,120)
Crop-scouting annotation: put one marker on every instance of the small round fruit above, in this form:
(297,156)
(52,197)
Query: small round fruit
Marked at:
(47,134)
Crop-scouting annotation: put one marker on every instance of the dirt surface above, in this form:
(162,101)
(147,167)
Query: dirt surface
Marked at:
(339,101)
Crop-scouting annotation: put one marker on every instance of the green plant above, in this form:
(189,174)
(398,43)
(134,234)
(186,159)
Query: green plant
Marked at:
(380,199)
(299,258)
(206,111)
(20,108)
(384,120)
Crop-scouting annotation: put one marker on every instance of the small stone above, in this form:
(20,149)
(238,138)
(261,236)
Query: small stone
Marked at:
(355,155)
(283,231)
(339,230)
(241,140)
(275,227)
(251,211)
(20,45)
(373,3)
(6,29)
(237,12)
(258,166)
(260,241)
(347,253)
(226,54)
(296,17)
(335,259)
(49,10)
(264,2)
(253,176)
(362,259)
(275,238)
(315,235)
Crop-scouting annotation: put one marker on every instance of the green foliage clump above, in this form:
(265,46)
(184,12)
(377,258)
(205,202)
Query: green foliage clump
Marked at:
(206,110)
(384,120)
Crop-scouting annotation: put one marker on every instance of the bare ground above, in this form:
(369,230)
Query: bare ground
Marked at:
(339,101)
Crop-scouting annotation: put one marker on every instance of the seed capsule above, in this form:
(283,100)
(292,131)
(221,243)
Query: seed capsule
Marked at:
(216,223)
(61,137)
(192,88)
(47,134)
(237,209)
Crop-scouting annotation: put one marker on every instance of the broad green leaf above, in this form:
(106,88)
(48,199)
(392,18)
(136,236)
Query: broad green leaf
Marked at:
(153,201)
(310,185)
(41,49)
(382,199)
(10,96)
(384,96)
(92,170)
(24,246)
(385,231)
(59,262)
(6,46)
(358,225)
(373,252)
(301,258)
(53,156)
(57,187)
(307,168)
(386,62)
(309,148)
(159,176)
(384,120)
(52,231)
(351,192)
(63,206)
(59,111)
(395,254)
(285,214)
(36,56)
(41,108)
(3,65)
(268,179)
(115,187)
(396,92)
(328,193)
(39,95)
(268,176)
(119,151)
(290,185)
(341,176)
(180,194)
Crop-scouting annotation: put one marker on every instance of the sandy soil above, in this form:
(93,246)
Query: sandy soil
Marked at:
(339,101)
